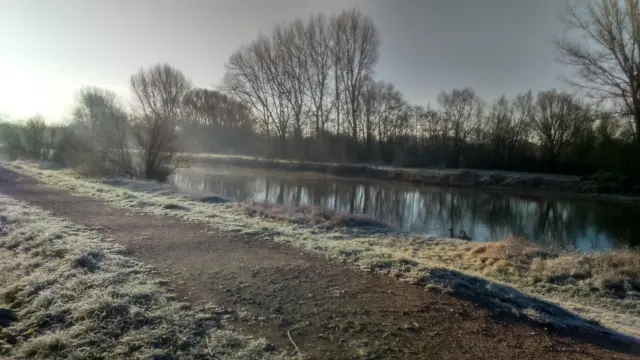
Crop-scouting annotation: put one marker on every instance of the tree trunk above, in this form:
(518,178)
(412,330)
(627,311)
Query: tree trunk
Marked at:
(636,121)
(636,138)
(283,146)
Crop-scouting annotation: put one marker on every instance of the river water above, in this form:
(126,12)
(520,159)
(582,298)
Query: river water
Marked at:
(484,216)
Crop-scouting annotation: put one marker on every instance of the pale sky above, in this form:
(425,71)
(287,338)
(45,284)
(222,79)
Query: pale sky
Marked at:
(49,49)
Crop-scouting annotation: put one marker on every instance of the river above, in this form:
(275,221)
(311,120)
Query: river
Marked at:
(484,216)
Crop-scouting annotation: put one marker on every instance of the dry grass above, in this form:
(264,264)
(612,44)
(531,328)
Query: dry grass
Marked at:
(516,251)
(66,293)
(510,254)
(616,272)
(510,275)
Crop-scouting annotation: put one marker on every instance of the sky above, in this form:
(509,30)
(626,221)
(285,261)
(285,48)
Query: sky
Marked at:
(50,49)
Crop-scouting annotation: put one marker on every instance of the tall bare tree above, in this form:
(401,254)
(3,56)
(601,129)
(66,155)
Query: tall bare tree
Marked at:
(557,119)
(603,44)
(506,127)
(357,49)
(247,80)
(498,126)
(158,91)
(461,110)
(319,50)
(381,118)
(289,64)
(254,76)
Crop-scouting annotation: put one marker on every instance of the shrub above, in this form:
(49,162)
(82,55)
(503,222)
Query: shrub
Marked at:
(36,140)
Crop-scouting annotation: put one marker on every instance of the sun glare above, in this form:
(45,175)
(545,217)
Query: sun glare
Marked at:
(26,91)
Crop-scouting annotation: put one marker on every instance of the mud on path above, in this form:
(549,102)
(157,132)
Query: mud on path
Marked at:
(330,310)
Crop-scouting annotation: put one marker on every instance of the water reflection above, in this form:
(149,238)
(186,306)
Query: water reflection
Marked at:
(484,216)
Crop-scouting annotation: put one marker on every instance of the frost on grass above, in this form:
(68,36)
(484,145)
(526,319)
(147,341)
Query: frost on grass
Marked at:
(312,216)
(154,187)
(308,215)
(560,290)
(65,293)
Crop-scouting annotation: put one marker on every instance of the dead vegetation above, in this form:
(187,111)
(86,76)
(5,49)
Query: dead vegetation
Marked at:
(65,293)
(616,273)
(311,216)
(510,252)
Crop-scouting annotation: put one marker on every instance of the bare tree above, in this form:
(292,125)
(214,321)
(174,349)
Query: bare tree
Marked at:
(506,127)
(319,51)
(215,122)
(557,119)
(498,126)
(357,50)
(461,110)
(603,44)
(254,76)
(158,91)
(213,108)
(434,132)
(312,82)
(104,124)
(247,81)
(522,108)
(285,78)
(288,67)
(382,107)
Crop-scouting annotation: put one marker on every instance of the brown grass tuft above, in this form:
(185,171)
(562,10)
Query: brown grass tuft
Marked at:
(509,252)
(617,271)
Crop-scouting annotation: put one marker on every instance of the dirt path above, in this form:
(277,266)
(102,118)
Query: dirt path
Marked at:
(330,310)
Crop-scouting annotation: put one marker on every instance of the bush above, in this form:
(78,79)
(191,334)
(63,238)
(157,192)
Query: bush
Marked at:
(36,140)
(11,140)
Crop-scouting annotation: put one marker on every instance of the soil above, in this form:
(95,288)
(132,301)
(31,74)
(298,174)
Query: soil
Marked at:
(330,310)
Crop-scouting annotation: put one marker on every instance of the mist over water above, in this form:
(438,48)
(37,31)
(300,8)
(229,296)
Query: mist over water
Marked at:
(484,216)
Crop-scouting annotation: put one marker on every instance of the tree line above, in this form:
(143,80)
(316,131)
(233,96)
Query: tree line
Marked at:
(103,137)
(313,95)
(308,91)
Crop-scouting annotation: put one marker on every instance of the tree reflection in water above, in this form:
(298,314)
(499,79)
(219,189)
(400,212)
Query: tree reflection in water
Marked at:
(484,216)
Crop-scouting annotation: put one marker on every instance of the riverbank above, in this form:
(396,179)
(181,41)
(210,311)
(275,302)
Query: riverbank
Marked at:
(604,187)
(67,292)
(557,290)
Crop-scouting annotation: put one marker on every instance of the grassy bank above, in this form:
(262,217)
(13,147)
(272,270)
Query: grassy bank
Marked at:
(561,290)
(67,293)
